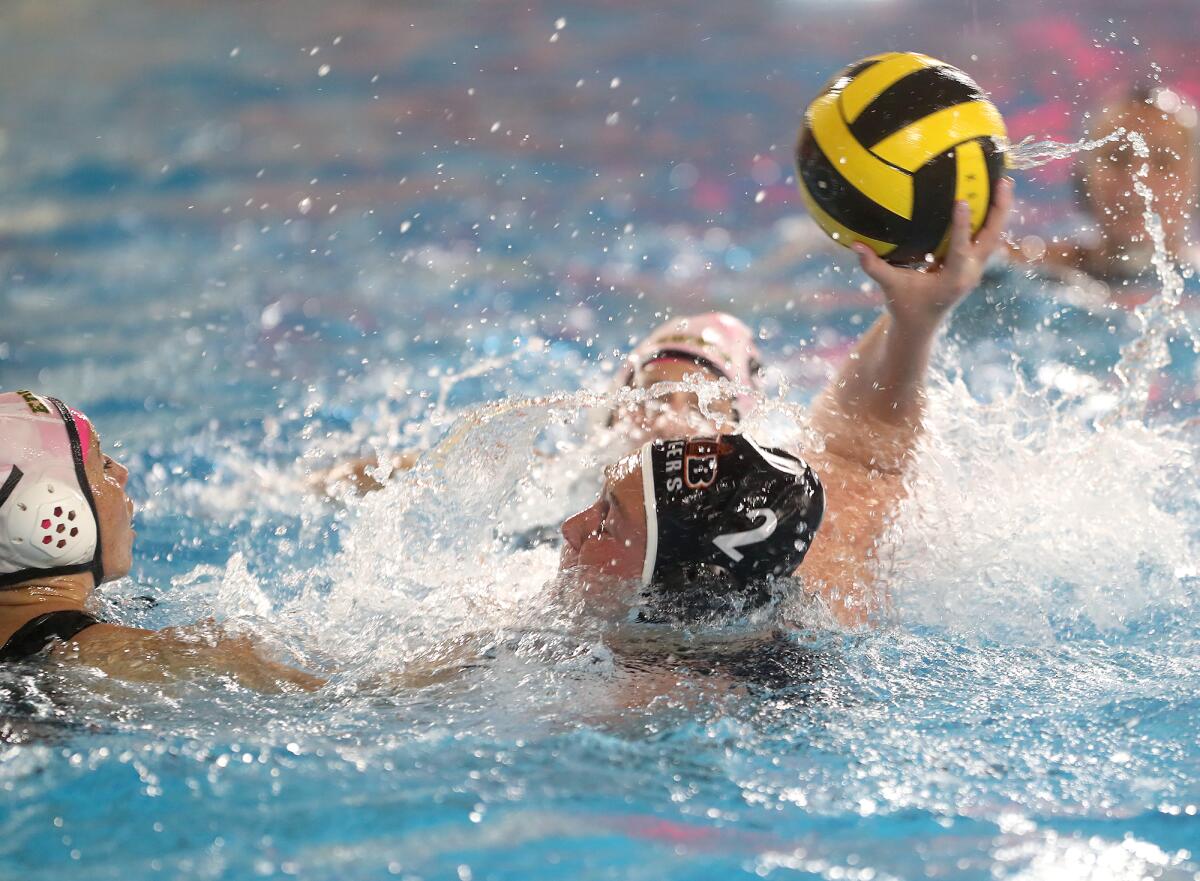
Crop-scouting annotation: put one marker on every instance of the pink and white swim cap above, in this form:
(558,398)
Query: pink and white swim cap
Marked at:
(48,522)
(715,341)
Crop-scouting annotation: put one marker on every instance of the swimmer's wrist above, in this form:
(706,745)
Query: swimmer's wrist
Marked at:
(917,323)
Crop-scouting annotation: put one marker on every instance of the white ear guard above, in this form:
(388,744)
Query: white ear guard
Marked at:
(45,522)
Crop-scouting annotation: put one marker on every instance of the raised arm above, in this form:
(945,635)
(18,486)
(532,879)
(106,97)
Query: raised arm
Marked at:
(870,415)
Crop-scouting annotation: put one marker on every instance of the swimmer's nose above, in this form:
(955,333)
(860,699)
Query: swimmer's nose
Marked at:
(683,403)
(576,529)
(573,530)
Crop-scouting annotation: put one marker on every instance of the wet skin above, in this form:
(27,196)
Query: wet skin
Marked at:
(608,538)
(114,510)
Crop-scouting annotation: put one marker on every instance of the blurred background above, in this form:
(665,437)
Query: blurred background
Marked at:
(272,191)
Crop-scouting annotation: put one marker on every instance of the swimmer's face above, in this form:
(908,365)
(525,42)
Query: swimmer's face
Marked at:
(605,544)
(114,510)
(677,414)
(1171,175)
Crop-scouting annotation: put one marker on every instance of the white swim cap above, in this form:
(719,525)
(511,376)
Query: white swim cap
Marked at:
(715,341)
(48,522)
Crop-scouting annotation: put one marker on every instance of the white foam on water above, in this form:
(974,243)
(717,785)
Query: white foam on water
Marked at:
(1023,512)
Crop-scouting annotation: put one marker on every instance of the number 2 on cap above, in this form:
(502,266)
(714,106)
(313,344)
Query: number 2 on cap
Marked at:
(730,542)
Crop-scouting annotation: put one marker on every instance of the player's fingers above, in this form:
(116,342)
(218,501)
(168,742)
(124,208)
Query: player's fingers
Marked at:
(960,237)
(878,269)
(989,235)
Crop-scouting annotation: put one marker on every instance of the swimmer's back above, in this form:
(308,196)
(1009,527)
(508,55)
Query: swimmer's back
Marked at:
(43,632)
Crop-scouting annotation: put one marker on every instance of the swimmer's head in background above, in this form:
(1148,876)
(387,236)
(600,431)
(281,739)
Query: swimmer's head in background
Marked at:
(48,523)
(723,517)
(714,341)
(1168,125)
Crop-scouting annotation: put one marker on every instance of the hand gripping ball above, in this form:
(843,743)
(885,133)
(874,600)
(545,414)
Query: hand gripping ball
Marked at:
(888,147)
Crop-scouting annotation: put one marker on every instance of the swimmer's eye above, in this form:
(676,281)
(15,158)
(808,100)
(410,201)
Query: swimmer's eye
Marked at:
(108,462)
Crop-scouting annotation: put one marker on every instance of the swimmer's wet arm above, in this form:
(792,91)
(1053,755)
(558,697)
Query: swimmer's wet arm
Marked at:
(177,653)
(871,413)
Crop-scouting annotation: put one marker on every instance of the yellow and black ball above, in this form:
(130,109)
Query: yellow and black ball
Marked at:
(889,145)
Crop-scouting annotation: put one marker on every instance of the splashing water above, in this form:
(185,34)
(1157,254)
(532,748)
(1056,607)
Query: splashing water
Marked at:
(1148,353)
(1083,526)
(1029,153)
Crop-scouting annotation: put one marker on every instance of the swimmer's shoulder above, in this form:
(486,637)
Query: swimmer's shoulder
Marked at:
(51,633)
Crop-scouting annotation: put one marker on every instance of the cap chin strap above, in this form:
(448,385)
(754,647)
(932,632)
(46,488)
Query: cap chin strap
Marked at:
(68,419)
(650,502)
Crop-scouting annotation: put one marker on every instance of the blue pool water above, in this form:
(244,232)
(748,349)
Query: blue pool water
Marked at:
(250,239)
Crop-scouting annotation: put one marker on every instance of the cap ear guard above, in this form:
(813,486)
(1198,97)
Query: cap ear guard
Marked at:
(45,523)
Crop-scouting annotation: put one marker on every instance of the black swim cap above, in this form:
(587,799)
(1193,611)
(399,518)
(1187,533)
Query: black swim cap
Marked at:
(727,506)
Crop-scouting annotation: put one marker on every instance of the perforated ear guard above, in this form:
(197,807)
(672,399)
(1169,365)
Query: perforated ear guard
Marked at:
(45,523)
